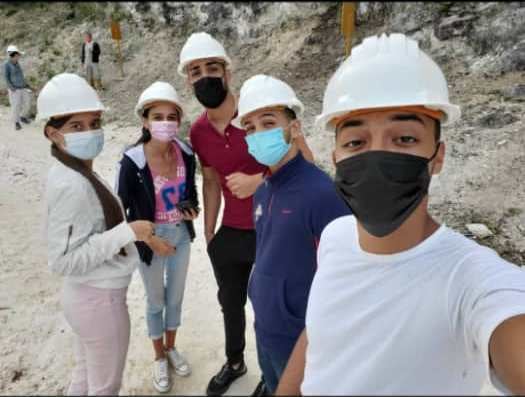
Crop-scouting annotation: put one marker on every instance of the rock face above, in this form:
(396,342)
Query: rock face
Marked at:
(480,47)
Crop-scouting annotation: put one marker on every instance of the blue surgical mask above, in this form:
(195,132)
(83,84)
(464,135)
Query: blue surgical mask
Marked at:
(268,147)
(85,145)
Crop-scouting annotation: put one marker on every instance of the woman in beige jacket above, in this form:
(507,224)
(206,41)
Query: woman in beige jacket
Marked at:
(89,241)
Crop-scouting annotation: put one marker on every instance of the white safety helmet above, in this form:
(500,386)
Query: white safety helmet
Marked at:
(67,93)
(262,91)
(199,46)
(383,72)
(158,91)
(13,48)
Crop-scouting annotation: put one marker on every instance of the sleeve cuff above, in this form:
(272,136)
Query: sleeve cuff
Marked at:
(125,234)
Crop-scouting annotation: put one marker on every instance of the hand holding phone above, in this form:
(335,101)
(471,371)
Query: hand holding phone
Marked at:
(188,209)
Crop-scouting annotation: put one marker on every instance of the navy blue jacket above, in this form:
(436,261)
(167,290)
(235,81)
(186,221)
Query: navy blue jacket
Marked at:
(291,208)
(134,185)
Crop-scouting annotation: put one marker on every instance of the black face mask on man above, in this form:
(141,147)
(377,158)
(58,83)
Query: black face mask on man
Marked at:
(210,91)
(383,188)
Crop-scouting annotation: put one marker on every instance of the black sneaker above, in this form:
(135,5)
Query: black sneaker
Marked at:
(224,378)
(260,390)
(18,126)
(25,120)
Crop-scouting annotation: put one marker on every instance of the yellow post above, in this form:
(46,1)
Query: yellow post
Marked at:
(117,36)
(348,24)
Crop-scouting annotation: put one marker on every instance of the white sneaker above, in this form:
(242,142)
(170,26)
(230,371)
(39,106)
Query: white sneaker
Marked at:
(161,377)
(178,362)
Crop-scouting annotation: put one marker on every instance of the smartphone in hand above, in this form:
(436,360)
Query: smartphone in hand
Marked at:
(185,206)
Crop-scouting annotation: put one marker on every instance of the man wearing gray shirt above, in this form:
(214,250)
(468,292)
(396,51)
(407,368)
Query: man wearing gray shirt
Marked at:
(18,90)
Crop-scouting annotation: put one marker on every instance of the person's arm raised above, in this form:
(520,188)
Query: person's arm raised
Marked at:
(507,353)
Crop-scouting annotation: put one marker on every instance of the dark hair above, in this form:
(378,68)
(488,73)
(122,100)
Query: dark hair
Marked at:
(110,206)
(57,123)
(13,54)
(290,114)
(146,134)
(88,33)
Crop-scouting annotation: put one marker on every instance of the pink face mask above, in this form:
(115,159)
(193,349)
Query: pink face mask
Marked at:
(164,131)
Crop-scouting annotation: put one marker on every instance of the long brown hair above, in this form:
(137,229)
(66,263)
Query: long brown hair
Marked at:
(110,206)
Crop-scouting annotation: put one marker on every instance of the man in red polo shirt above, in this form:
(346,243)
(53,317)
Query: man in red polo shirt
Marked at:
(227,166)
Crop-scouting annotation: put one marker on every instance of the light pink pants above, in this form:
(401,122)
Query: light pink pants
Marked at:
(100,321)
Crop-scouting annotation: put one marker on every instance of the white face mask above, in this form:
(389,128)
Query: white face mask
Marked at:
(85,145)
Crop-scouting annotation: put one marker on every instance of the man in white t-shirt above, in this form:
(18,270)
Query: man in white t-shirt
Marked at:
(399,303)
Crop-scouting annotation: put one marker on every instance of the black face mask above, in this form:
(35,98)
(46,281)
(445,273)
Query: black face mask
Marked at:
(383,188)
(210,91)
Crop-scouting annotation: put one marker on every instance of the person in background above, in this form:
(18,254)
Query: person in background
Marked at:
(401,305)
(155,178)
(90,244)
(292,207)
(90,56)
(18,90)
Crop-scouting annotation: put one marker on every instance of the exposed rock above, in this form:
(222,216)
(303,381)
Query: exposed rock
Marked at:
(479,230)
(497,119)
(454,26)
(516,92)
(514,58)
(478,45)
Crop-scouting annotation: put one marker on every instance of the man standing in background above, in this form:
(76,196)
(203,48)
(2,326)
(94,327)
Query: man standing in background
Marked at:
(90,57)
(18,90)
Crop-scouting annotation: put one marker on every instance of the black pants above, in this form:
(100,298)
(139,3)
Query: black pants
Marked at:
(232,253)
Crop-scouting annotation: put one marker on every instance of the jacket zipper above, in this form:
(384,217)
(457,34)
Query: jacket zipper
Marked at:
(70,232)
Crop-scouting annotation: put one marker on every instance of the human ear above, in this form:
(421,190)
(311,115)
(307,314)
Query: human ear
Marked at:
(227,77)
(439,160)
(55,136)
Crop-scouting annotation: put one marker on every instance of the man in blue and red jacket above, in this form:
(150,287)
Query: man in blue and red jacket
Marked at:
(291,208)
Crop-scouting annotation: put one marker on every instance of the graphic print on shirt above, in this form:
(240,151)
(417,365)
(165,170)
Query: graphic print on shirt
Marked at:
(168,192)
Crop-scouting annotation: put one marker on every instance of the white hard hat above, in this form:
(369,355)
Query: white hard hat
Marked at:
(262,91)
(199,46)
(13,48)
(383,72)
(158,91)
(67,93)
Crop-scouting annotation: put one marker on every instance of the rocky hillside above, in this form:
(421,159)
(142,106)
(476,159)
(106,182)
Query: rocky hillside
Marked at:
(480,46)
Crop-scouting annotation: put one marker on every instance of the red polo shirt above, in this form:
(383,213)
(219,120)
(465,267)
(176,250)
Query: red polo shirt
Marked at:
(226,153)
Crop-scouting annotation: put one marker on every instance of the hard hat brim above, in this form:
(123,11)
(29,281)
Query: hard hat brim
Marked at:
(296,106)
(140,110)
(452,114)
(44,116)
(181,69)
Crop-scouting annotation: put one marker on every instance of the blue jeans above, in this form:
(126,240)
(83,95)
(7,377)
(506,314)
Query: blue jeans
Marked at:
(164,281)
(272,364)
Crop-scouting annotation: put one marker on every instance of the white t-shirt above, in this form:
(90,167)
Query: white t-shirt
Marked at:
(89,53)
(415,322)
